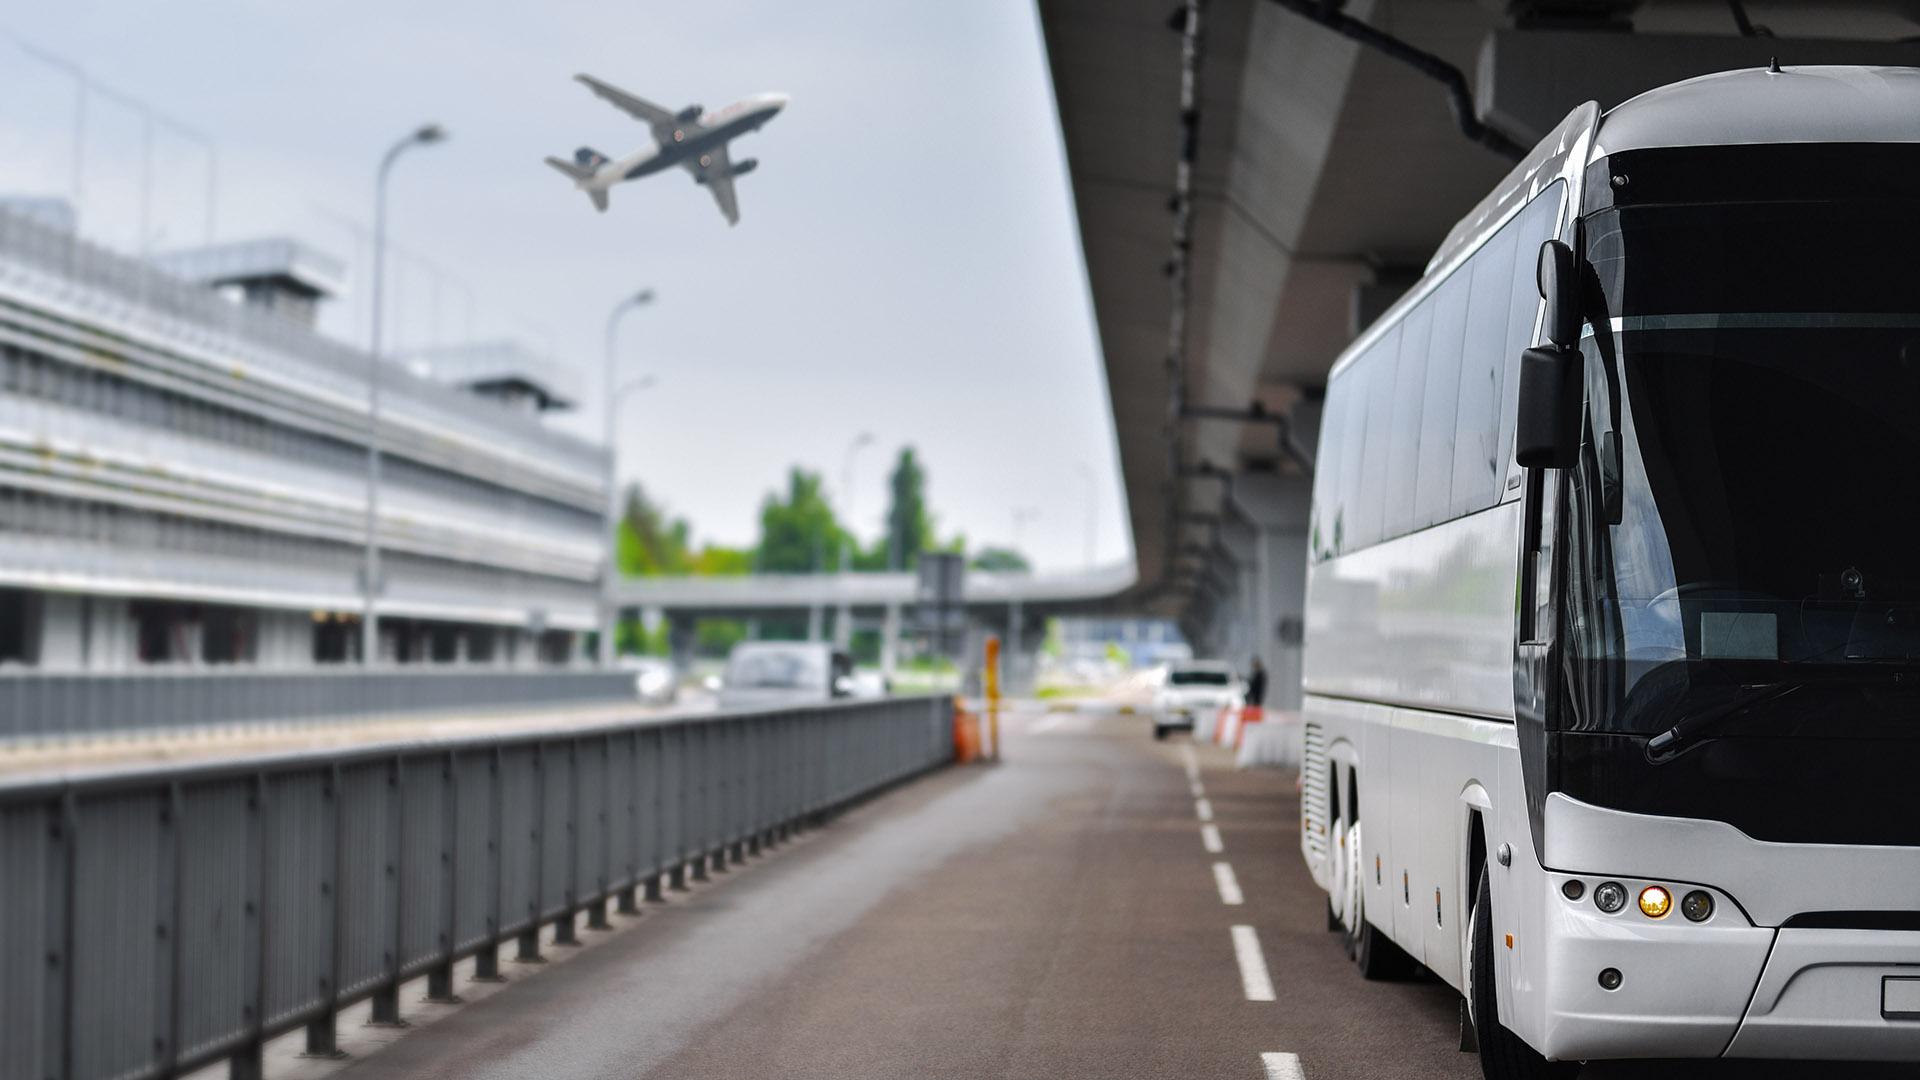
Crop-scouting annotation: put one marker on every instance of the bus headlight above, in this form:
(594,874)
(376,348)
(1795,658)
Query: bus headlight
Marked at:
(1655,902)
(1697,906)
(1610,896)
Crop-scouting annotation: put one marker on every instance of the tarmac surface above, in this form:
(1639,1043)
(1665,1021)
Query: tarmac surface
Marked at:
(1060,914)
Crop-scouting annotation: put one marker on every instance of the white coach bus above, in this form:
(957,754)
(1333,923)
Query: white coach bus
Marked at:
(1613,635)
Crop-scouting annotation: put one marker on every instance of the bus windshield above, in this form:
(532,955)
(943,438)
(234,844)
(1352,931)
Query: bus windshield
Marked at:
(1742,526)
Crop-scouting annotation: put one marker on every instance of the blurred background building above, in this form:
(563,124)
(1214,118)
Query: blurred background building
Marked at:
(183,471)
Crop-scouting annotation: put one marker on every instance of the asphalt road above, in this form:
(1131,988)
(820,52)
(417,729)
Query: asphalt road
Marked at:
(1057,915)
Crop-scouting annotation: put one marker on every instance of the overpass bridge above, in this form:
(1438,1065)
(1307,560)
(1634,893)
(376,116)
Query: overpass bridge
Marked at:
(868,594)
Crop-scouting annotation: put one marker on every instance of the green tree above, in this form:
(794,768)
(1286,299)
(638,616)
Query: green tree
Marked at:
(1000,558)
(649,543)
(798,534)
(909,526)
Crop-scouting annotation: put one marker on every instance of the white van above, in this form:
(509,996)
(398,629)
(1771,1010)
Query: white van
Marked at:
(784,673)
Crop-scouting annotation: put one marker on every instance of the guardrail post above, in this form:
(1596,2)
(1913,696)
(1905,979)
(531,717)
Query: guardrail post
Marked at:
(386,998)
(321,1033)
(486,962)
(529,941)
(440,976)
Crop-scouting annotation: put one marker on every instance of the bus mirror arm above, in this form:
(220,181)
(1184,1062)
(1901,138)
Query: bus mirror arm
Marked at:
(1547,432)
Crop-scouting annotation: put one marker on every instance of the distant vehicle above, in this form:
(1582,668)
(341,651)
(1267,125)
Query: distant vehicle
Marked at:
(784,673)
(870,684)
(691,138)
(1193,687)
(654,680)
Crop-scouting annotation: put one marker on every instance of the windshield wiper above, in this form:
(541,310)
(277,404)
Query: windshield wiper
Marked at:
(1691,728)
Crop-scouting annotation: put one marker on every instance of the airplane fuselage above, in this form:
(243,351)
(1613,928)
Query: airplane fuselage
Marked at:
(689,143)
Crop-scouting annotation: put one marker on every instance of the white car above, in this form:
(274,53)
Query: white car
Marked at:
(765,673)
(654,680)
(1193,688)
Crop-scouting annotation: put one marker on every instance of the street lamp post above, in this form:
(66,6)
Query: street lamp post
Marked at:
(843,624)
(426,135)
(610,401)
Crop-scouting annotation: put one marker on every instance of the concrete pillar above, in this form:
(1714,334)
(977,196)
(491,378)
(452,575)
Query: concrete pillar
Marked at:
(1276,507)
(890,641)
(680,640)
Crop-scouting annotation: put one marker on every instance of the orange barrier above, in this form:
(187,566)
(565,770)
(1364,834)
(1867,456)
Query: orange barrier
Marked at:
(1249,714)
(966,734)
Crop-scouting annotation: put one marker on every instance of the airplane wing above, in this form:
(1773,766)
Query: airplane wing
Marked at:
(715,171)
(639,108)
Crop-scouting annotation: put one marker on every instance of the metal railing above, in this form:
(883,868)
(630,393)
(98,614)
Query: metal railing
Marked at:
(39,705)
(155,921)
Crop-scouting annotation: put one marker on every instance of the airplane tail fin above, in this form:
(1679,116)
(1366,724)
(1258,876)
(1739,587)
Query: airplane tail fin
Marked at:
(581,170)
(576,173)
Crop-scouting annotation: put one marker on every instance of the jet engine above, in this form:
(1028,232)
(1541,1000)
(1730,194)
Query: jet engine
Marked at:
(744,167)
(689,114)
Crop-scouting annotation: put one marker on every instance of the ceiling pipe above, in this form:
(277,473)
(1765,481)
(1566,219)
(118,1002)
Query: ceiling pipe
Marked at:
(1256,413)
(1328,14)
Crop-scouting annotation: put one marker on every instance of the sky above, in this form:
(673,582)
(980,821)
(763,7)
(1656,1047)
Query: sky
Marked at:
(906,264)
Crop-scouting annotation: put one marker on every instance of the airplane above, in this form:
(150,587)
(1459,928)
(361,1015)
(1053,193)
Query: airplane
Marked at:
(691,138)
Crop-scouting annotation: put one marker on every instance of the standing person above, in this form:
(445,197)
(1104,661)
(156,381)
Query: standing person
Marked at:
(1257,685)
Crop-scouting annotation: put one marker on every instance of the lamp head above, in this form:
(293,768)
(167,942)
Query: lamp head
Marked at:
(430,134)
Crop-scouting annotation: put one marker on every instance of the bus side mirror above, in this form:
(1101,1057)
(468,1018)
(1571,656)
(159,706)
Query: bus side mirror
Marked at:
(1547,434)
(1558,277)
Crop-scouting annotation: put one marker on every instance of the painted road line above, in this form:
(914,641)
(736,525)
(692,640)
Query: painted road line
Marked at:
(1253,966)
(1197,790)
(1203,807)
(1045,723)
(1210,839)
(1192,763)
(1282,1066)
(1228,885)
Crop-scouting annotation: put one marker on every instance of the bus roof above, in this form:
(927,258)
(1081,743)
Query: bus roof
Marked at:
(1836,104)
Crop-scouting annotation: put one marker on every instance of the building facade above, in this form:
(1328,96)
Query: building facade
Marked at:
(183,475)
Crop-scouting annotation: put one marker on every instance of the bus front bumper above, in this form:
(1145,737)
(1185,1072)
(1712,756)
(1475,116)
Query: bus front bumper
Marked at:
(1836,995)
(1725,988)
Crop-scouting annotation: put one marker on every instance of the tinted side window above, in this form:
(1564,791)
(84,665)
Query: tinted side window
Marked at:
(1334,438)
(1376,367)
(1403,425)
(1477,461)
(1433,493)
(1353,427)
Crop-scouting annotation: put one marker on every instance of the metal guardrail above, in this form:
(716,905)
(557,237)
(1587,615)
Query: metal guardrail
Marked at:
(37,705)
(155,921)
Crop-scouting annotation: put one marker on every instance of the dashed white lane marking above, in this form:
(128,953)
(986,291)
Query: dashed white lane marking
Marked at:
(1228,885)
(1045,723)
(1253,965)
(1210,839)
(1197,790)
(1192,763)
(1203,807)
(1282,1066)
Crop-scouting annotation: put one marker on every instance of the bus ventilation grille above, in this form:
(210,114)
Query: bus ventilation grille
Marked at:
(1313,792)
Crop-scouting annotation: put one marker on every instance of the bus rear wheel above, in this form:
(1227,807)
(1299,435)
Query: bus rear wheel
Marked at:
(1503,1056)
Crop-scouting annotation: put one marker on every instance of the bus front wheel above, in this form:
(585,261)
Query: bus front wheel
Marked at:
(1503,1056)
